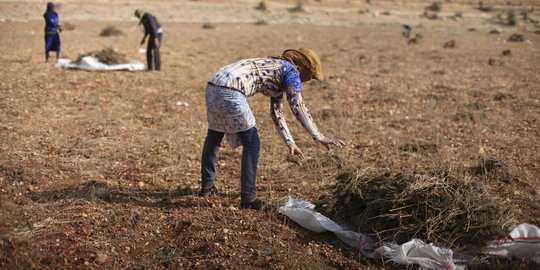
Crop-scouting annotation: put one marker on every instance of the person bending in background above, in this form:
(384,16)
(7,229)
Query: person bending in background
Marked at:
(229,113)
(52,27)
(153,29)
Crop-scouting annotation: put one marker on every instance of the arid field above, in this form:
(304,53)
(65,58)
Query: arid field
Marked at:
(98,170)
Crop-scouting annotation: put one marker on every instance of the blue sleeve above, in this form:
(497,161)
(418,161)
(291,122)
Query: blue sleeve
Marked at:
(292,82)
(51,21)
(294,96)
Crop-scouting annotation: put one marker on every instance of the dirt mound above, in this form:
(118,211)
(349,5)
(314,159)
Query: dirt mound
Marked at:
(107,56)
(444,206)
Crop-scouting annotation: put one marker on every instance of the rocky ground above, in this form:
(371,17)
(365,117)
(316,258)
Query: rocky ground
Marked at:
(98,170)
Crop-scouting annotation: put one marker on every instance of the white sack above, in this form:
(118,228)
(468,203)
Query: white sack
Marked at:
(91,63)
(524,243)
(417,252)
(303,213)
(412,252)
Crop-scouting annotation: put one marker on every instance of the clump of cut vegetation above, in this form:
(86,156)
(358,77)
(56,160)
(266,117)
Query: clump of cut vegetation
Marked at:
(261,22)
(444,205)
(107,56)
(110,31)
(209,26)
(450,44)
(516,38)
(415,40)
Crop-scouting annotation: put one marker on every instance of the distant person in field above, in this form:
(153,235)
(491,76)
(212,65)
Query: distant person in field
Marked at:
(229,113)
(152,28)
(52,27)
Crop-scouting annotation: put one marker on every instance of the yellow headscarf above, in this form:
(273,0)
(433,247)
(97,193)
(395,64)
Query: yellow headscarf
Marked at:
(306,60)
(139,13)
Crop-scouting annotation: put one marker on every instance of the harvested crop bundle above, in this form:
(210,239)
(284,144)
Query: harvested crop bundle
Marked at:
(443,206)
(107,56)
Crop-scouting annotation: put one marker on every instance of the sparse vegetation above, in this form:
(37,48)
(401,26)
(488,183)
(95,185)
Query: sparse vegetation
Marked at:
(209,26)
(516,38)
(261,22)
(511,18)
(299,7)
(110,31)
(262,6)
(436,6)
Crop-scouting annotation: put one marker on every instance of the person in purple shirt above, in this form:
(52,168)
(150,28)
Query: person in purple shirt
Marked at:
(229,114)
(52,27)
(152,28)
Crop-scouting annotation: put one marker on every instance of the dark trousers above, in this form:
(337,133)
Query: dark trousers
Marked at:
(152,48)
(250,158)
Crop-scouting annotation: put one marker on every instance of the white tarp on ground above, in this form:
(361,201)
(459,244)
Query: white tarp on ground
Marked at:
(524,242)
(91,63)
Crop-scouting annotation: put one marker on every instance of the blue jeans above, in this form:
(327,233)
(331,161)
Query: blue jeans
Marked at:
(250,158)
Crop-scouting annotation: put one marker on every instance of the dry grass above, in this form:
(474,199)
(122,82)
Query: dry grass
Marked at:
(107,56)
(445,206)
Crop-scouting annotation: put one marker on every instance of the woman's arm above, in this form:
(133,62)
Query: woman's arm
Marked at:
(302,114)
(279,121)
(294,96)
(281,125)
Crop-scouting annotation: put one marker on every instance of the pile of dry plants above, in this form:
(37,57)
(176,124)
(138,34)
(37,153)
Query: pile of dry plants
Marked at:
(446,206)
(107,56)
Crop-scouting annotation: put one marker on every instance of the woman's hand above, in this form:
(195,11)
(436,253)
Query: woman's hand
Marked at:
(294,150)
(329,141)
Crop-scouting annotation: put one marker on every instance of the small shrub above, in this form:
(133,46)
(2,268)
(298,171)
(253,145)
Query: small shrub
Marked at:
(262,6)
(436,6)
(511,18)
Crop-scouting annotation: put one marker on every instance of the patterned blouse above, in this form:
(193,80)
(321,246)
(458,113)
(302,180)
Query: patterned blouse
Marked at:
(271,77)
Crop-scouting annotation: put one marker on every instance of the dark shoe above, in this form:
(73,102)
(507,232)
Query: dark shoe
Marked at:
(257,204)
(205,192)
